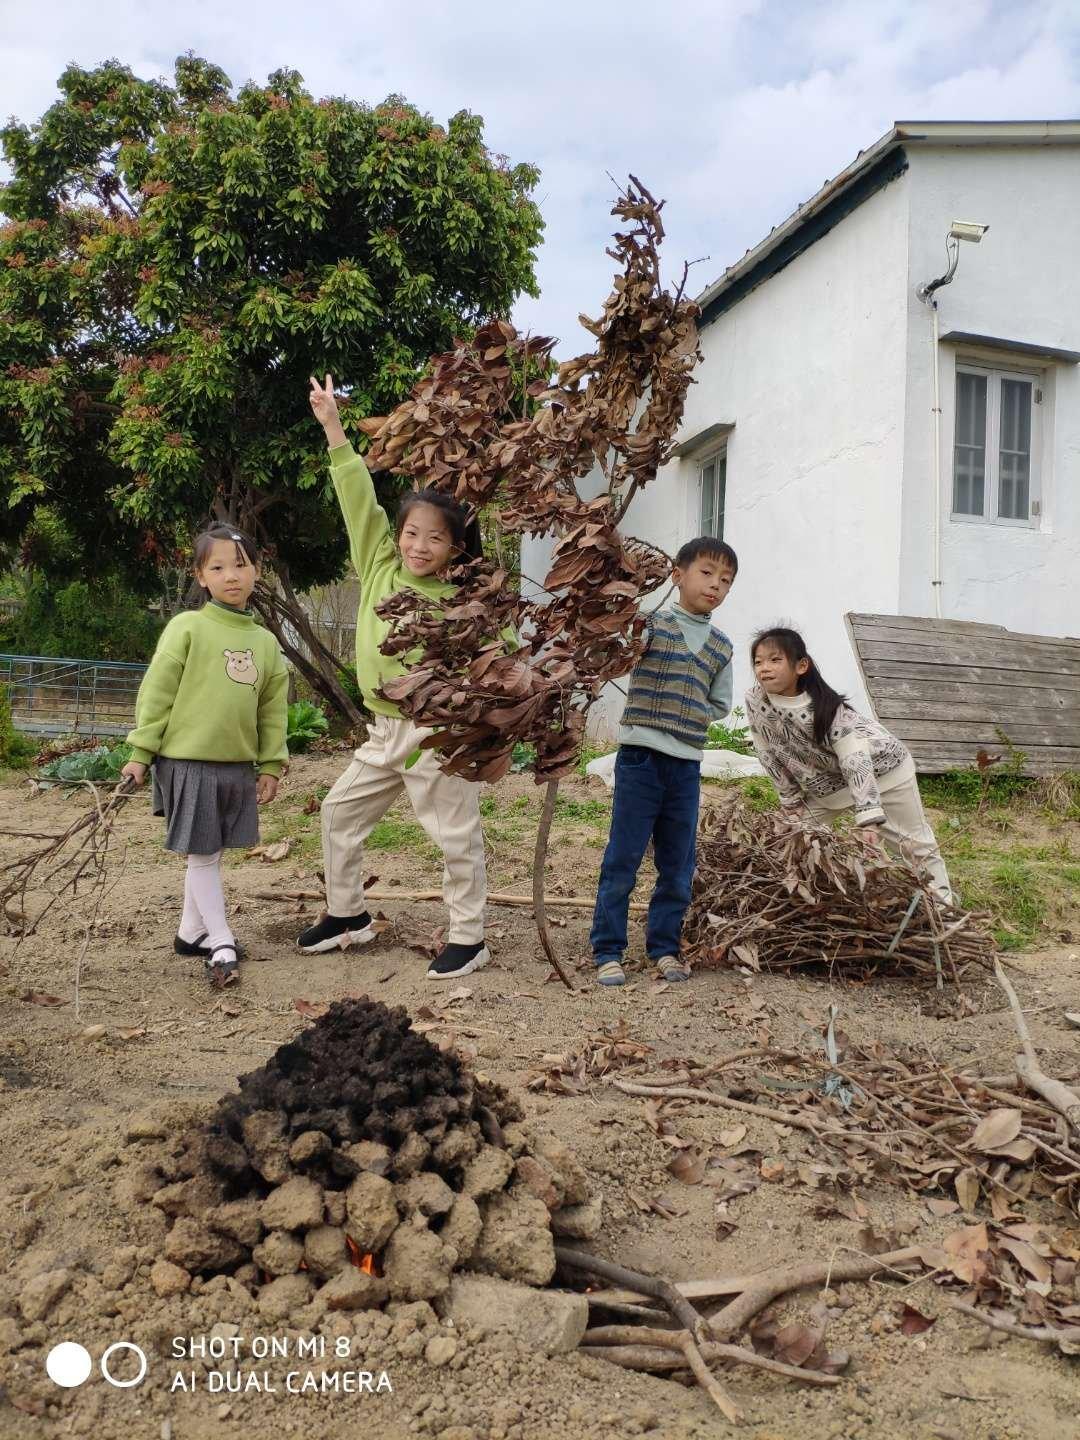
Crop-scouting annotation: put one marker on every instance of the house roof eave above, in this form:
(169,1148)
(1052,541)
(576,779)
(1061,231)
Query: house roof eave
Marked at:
(905,133)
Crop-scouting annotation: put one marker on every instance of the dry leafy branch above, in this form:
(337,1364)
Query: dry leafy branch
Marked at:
(772,894)
(479,700)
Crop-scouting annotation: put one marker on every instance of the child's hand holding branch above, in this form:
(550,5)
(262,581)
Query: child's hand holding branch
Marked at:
(325,409)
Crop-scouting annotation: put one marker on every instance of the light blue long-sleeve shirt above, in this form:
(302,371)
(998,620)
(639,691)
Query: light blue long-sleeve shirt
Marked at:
(695,631)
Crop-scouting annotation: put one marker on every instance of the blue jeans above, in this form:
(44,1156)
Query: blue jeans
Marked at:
(656,798)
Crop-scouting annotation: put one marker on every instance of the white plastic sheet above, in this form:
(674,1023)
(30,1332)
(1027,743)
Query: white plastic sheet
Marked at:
(715,765)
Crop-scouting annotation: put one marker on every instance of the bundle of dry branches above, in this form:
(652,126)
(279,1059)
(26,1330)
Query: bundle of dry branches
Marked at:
(65,861)
(771,893)
(479,700)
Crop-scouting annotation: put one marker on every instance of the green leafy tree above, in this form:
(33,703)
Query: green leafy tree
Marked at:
(179,257)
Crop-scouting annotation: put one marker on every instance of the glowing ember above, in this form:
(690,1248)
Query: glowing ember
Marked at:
(363,1260)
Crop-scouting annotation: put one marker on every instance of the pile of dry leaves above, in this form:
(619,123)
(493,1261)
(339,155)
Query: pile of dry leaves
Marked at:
(771,893)
(449,434)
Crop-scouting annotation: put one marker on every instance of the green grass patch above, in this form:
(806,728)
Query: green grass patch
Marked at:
(591,811)
(964,791)
(1012,891)
(394,832)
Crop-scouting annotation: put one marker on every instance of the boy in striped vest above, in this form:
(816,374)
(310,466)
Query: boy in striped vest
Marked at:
(679,686)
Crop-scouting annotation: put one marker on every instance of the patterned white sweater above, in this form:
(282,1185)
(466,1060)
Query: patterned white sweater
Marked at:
(859,753)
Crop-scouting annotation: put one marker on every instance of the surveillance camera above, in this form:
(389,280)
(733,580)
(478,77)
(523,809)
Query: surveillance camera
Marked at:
(967,230)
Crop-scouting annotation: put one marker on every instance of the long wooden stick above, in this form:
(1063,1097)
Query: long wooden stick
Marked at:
(1064,1100)
(497,897)
(606,1337)
(772,1283)
(539,865)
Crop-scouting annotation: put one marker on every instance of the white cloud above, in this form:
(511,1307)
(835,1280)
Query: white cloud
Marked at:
(734,110)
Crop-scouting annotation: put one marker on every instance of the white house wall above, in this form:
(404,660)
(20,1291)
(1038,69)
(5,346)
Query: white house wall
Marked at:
(1021,283)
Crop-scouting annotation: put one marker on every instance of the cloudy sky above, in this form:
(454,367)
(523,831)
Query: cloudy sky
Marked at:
(734,110)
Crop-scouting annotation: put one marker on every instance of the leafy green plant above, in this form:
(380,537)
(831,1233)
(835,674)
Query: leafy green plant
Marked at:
(734,736)
(522,757)
(101,766)
(15,749)
(307,723)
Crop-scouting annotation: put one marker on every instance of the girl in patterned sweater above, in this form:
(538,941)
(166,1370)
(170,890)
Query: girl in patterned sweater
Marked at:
(824,757)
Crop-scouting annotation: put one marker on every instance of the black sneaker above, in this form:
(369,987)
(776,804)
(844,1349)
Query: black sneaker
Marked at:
(455,960)
(336,932)
(200,947)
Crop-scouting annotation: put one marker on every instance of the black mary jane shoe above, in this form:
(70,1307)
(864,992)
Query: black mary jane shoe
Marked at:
(222,972)
(197,947)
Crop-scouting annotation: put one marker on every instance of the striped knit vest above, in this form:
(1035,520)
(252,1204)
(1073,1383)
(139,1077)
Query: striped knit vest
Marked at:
(669,687)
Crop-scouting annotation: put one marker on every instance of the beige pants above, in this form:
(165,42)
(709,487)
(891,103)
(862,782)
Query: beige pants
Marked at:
(905,832)
(446,806)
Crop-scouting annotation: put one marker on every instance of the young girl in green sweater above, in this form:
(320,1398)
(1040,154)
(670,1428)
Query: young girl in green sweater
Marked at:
(211,718)
(431,535)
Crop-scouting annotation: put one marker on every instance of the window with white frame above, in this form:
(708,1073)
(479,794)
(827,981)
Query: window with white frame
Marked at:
(712,486)
(996,446)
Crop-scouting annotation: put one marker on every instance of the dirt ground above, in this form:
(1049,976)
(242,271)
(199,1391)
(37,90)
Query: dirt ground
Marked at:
(72,1108)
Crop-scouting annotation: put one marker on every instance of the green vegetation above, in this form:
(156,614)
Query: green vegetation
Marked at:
(398,832)
(589,811)
(307,722)
(96,620)
(730,736)
(16,750)
(100,766)
(180,254)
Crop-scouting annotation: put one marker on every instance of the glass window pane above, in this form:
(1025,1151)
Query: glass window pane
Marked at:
(713,484)
(1014,453)
(708,498)
(969,450)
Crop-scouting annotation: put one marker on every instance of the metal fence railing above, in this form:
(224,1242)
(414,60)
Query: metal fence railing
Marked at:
(54,696)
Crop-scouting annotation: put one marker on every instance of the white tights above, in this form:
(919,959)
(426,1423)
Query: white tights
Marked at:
(204,902)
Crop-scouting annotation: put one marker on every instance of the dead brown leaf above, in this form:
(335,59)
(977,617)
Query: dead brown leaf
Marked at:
(964,1250)
(38,997)
(689,1166)
(998,1128)
(967,1189)
(914,1322)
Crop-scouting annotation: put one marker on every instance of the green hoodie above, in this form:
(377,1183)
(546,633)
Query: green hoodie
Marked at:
(381,572)
(216,689)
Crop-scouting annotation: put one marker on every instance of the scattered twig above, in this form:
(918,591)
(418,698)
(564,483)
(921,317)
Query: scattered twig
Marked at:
(1069,1333)
(1064,1100)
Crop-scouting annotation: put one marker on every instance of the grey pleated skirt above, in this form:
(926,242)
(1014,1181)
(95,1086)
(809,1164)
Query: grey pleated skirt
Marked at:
(209,805)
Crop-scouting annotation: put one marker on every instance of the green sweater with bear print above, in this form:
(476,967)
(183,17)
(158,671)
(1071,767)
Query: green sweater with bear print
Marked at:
(216,689)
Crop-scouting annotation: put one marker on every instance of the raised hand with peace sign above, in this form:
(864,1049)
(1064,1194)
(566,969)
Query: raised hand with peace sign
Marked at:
(324,407)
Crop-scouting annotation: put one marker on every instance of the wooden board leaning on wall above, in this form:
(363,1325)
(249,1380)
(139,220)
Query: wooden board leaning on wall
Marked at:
(950,688)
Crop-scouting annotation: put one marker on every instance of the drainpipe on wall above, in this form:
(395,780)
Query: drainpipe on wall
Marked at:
(959,230)
(935,529)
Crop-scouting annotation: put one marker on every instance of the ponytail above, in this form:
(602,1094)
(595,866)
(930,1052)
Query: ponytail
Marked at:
(824,700)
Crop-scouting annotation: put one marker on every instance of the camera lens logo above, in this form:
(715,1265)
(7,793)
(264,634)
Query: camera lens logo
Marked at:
(69,1364)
